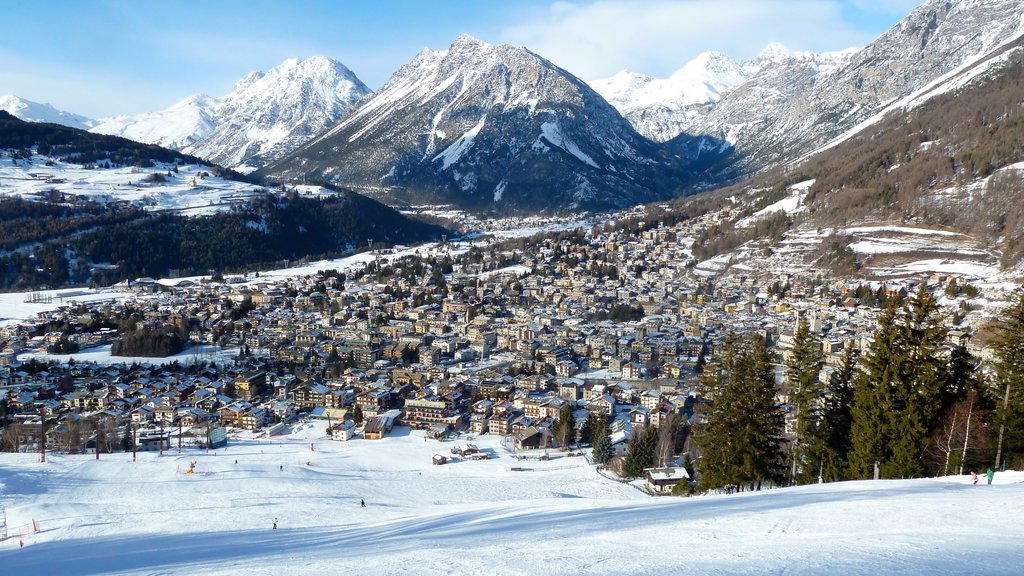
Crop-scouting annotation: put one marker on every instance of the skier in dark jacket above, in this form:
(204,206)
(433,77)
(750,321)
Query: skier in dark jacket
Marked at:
(363,504)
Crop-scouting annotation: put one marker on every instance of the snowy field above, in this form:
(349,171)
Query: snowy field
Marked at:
(113,516)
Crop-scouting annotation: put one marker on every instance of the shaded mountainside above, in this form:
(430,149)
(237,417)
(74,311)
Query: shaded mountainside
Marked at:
(269,230)
(76,145)
(88,243)
(57,239)
(489,128)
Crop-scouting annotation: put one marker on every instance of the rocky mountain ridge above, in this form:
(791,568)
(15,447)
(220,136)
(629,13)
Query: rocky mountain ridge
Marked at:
(265,116)
(488,128)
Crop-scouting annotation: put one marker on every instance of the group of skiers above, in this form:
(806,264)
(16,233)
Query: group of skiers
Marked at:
(988,474)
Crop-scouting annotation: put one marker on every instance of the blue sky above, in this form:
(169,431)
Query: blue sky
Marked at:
(106,57)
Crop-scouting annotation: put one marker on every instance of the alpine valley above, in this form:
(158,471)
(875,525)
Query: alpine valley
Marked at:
(758,316)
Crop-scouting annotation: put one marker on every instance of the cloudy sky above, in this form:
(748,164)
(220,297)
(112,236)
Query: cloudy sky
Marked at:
(104,57)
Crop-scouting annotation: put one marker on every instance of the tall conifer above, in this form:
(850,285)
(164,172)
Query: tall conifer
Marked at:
(802,372)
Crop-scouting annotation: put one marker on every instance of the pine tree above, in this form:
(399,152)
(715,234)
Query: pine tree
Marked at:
(588,427)
(565,429)
(640,452)
(921,390)
(837,419)
(603,445)
(1008,345)
(802,373)
(739,441)
(901,393)
(872,391)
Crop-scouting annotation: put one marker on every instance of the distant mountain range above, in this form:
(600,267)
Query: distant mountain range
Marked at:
(499,128)
(30,111)
(488,127)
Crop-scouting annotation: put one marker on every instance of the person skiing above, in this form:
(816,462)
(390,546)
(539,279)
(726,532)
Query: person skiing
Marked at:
(974,477)
(362,503)
(275,523)
(990,473)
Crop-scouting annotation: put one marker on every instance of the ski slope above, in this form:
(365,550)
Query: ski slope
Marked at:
(115,516)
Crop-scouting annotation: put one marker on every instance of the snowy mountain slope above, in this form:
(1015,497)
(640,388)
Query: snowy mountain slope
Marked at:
(35,112)
(113,515)
(268,115)
(488,127)
(265,116)
(778,77)
(661,109)
(177,127)
(810,106)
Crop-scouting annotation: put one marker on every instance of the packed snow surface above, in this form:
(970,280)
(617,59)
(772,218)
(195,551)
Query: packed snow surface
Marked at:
(115,516)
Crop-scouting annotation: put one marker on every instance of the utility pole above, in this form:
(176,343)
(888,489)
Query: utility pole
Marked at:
(96,442)
(131,429)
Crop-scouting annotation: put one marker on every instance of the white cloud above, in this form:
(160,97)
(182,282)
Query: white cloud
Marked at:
(657,37)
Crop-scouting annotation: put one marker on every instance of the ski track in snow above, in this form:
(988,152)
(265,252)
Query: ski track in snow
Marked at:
(474,517)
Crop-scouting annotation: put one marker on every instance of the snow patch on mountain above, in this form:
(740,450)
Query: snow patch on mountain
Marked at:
(552,133)
(452,153)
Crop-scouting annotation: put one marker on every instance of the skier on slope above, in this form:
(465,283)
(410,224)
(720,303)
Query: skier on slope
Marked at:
(362,503)
(974,477)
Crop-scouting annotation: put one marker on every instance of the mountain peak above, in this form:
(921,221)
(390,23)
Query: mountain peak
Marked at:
(488,127)
(773,52)
(466,41)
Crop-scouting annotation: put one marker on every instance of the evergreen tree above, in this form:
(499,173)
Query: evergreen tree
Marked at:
(872,391)
(739,441)
(640,452)
(565,428)
(1008,345)
(802,371)
(603,451)
(588,428)
(836,418)
(920,392)
(357,414)
(902,391)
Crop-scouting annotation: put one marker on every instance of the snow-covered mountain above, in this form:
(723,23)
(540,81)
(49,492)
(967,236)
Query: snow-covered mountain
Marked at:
(269,115)
(177,127)
(777,77)
(264,117)
(488,127)
(800,102)
(664,108)
(35,112)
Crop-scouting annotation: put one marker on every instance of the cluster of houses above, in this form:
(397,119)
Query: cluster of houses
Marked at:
(489,351)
